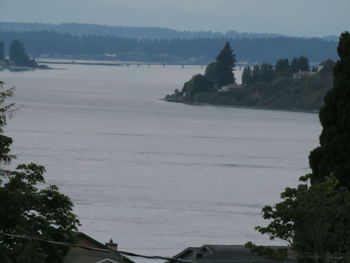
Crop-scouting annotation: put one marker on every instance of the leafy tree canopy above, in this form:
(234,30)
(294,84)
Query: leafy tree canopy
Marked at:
(315,216)
(312,218)
(197,84)
(27,208)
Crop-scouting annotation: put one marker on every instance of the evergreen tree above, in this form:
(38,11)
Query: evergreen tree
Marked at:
(256,73)
(226,63)
(19,55)
(304,64)
(266,72)
(247,76)
(300,64)
(2,50)
(333,154)
(211,72)
(220,72)
(282,68)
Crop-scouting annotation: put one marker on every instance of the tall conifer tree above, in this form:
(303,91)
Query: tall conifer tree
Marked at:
(333,154)
(220,72)
(2,50)
(18,54)
(226,63)
(247,76)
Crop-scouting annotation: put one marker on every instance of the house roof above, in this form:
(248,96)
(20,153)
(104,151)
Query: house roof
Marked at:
(79,236)
(79,255)
(221,254)
(91,257)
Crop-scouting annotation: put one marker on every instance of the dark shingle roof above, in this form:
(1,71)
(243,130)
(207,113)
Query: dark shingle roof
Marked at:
(78,255)
(221,254)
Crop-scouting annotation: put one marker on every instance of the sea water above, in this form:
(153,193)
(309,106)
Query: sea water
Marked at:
(155,176)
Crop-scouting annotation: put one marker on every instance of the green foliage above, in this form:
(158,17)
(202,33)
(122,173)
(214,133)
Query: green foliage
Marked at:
(19,55)
(220,72)
(266,72)
(27,208)
(256,73)
(2,50)
(282,68)
(314,217)
(226,62)
(305,94)
(197,84)
(333,154)
(279,254)
(6,111)
(211,72)
(300,64)
(247,76)
(217,74)
(262,73)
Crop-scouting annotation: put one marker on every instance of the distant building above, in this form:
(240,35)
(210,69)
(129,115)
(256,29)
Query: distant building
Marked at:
(230,87)
(221,254)
(303,74)
(80,255)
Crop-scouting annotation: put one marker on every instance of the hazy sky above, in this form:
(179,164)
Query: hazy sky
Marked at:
(292,17)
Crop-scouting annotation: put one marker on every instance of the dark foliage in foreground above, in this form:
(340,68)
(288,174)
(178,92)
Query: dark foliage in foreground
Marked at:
(27,207)
(314,217)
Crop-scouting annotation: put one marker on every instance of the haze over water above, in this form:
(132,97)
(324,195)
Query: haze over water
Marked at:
(156,177)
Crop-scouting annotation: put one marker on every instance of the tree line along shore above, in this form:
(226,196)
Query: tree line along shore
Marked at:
(18,58)
(287,85)
(198,50)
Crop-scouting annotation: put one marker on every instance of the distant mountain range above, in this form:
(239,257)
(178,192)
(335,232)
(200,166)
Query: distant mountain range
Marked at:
(134,32)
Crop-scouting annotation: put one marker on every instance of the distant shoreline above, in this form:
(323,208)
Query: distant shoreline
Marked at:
(22,68)
(94,62)
(241,107)
(73,62)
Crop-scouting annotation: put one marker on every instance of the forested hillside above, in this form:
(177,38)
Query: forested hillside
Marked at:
(186,51)
(127,31)
(288,85)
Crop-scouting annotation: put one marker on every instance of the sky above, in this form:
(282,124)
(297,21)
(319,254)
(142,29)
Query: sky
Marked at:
(288,17)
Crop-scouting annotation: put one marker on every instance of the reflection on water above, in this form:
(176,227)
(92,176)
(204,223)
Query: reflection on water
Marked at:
(156,177)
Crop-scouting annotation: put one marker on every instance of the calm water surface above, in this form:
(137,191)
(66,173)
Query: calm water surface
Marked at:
(156,177)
